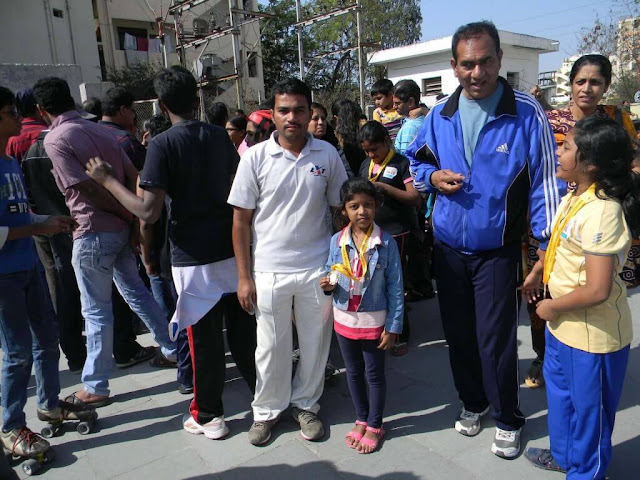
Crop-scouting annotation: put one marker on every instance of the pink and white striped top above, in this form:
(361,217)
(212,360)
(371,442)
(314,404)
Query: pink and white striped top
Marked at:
(350,323)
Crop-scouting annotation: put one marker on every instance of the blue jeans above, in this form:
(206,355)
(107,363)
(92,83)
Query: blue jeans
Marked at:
(29,334)
(165,294)
(365,368)
(99,258)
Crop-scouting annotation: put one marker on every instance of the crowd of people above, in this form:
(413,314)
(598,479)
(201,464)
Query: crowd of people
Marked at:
(292,230)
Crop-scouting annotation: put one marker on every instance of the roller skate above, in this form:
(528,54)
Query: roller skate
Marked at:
(65,411)
(24,444)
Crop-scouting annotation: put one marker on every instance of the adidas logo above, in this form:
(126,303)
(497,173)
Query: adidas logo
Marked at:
(503,149)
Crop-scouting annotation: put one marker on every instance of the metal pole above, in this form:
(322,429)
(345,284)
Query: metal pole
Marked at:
(237,61)
(163,41)
(181,53)
(360,52)
(300,48)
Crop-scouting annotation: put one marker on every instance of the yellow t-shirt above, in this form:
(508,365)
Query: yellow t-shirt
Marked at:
(598,228)
(391,120)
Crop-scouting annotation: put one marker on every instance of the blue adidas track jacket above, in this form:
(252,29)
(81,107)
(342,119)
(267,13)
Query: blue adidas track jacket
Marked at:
(512,173)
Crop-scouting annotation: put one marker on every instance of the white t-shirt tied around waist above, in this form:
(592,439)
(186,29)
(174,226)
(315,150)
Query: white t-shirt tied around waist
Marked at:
(200,288)
(291,196)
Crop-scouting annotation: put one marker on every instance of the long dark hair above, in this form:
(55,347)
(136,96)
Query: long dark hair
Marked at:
(347,128)
(604,144)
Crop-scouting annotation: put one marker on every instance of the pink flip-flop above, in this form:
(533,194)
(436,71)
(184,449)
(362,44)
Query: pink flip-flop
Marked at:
(357,436)
(372,443)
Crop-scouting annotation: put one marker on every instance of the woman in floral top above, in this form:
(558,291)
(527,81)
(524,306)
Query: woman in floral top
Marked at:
(590,78)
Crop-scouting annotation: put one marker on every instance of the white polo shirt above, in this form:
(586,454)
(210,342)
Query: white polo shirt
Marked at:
(291,197)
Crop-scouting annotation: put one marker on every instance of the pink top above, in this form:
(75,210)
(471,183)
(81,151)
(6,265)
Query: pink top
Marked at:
(350,323)
(70,144)
(243,147)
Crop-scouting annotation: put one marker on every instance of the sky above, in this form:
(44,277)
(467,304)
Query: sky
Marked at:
(557,20)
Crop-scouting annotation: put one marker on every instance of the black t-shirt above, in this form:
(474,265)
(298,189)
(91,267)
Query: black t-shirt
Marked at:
(194,163)
(45,197)
(392,216)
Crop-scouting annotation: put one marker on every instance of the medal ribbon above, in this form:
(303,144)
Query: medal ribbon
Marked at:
(550,256)
(345,267)
(386,160)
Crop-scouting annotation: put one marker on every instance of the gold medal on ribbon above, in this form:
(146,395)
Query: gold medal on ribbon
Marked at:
(345,267)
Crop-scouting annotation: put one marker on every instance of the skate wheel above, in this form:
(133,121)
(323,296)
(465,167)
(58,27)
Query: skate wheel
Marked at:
(30,466)
(83,428)
(47,432)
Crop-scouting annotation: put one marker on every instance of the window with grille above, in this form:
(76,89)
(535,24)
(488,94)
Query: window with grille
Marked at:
(431,86)
(513,79)
(252,64)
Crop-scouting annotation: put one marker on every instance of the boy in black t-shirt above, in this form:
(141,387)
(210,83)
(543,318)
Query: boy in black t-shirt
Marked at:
(390,173)
(193,162)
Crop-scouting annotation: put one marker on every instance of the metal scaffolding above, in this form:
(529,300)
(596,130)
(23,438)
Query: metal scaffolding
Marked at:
(300,24)
(233,28)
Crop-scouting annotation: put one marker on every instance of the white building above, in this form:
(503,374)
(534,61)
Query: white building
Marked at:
(563,84)
(81,40)
(40,38)
(428,63)
(121,21)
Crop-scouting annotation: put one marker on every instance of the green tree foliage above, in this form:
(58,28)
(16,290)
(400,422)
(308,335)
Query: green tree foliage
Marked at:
(137,78)
(620,45)
(389,23)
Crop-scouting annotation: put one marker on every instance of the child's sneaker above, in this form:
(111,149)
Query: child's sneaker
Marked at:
(23,442)
(214,430)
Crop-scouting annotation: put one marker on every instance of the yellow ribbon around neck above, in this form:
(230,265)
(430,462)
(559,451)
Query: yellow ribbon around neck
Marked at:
(386,160)
(345,267)
(550,255)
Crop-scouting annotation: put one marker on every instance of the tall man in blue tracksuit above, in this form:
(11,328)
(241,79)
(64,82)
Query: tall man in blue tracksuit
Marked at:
(488,152)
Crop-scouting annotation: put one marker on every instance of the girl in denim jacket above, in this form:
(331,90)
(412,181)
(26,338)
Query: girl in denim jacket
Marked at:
(365,276)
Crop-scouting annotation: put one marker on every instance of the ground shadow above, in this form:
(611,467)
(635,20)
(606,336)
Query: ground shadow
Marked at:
(319,469)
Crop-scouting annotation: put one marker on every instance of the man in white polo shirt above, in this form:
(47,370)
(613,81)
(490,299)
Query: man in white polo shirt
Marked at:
(281,193)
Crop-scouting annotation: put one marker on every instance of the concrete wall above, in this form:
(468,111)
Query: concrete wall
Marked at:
(20,76)
(94,89)
(31,34)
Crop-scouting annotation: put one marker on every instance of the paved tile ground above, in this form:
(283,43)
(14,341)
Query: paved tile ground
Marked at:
(139,436)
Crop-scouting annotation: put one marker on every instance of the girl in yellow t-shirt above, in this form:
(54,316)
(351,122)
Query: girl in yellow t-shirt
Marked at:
(588,318)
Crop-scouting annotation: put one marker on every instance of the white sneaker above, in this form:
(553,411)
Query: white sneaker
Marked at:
(191,426)
(214,430)
(506,443)
(469,422)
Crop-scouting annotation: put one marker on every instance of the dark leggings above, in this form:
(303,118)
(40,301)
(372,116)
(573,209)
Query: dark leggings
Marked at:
(365,367)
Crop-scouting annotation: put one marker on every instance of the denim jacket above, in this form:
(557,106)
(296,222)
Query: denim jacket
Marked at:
(382,289)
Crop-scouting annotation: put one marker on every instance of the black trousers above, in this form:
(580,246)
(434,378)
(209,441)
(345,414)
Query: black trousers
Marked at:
(55,255)
(402,241)
(479,305)
(208,355)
